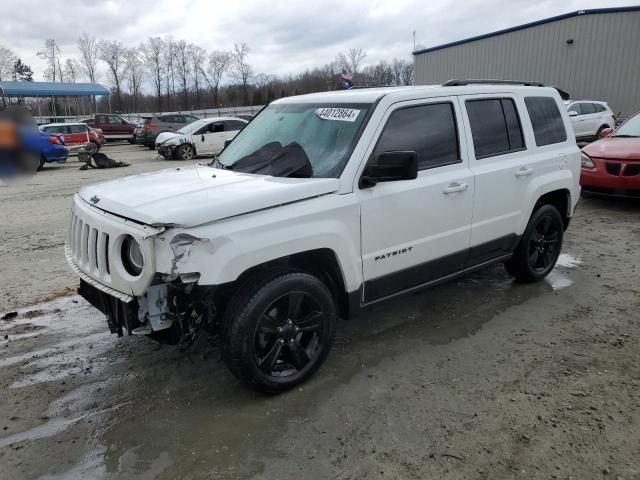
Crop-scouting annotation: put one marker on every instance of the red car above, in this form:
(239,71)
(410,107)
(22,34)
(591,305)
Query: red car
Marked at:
(611,165)
(114,127)
(75,135)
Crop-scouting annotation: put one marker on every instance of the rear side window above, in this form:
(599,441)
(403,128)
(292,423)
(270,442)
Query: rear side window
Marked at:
(546,120)
(146,120)
(77,128)
(599,108)
(495,127)
(588,108)
(429,130)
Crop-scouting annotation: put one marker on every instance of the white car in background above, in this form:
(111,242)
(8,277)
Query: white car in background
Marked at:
(202,137)
(590,117)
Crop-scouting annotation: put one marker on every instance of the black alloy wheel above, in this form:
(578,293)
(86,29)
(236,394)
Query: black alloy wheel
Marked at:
(544,244)
(539,247)
(278,329)
(288,335)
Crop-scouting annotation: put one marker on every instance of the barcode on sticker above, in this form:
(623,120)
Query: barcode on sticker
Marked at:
(341,114)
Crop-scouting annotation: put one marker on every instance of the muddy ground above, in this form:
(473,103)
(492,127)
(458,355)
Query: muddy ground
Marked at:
(480,378)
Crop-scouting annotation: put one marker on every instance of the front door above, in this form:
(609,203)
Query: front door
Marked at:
(415,231)
(210,138)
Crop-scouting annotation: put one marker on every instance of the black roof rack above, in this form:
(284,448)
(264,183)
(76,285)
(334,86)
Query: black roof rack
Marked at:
(527,83)
(457,83)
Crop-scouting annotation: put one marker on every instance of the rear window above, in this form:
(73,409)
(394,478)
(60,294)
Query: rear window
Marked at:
(146,120)
(495,127)
(548,127)
(429,130)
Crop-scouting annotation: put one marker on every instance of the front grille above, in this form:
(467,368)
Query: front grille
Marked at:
(613,168)
(89,247)
(631,170)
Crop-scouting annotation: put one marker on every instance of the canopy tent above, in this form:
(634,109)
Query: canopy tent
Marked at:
(52,89)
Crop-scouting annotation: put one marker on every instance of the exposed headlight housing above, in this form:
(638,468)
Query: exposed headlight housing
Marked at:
(586,161)
(132,257)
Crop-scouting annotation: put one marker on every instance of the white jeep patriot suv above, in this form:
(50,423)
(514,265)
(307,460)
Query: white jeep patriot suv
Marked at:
(325,204)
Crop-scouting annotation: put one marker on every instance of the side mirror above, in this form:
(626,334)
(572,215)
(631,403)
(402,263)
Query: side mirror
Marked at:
(606,132)
(390,167)
(573,113)
(227,142)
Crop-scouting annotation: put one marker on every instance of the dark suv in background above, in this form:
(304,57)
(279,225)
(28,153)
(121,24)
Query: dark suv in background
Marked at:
(151,127)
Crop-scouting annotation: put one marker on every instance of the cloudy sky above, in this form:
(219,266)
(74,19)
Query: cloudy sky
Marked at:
(284,36)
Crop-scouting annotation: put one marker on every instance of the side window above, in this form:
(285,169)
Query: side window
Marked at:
(575,108)
(233,125)
(546,120)
(165,118)
(216,127)
(495,127)
(429,130)
(599,108)
(588,108)
(77,129)
(102,119)
(115,119)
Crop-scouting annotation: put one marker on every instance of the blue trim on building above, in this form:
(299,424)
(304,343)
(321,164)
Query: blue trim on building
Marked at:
(529,25)
(52,89)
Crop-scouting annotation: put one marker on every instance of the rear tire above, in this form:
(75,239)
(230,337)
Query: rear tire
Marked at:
(42,162)
(539,247)
(184,152)
(278,329)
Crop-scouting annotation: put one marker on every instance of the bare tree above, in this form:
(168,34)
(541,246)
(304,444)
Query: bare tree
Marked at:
(183,68)
(242,69)
(88,47)
(197,57)
(355,56)
(112,53)
(407,74)
(71,70)
(152,51)
(169,57)
(7,62)
(218,65)
(134,73)
(50,54)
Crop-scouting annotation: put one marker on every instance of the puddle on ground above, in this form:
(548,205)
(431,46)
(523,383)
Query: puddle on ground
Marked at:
(156,413)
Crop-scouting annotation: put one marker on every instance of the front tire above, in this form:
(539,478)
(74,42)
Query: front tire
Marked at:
(184,152)
(539,247)
(278,330)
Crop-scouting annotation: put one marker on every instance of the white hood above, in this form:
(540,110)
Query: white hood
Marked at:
(173,137)
(194,195)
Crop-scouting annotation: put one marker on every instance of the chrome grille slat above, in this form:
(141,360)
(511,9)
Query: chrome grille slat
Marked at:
(84,243)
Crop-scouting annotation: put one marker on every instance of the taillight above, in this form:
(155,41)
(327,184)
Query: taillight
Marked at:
(56,140)
(149,125)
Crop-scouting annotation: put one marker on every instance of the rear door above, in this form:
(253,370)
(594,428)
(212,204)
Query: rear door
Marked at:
(415,231)
(503,169)
(76,135)
(590,118)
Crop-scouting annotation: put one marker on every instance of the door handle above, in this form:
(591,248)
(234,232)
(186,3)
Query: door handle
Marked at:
(455,187)
(524,171)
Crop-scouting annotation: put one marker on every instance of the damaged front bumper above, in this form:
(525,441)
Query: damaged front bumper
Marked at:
(174,311)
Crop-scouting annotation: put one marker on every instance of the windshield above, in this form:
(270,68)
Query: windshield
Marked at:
(630,128)
(192,127)
(297,140)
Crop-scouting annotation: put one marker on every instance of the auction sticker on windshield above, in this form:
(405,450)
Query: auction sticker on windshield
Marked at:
(341,114)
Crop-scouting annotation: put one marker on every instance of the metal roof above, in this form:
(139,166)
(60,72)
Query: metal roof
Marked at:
(52,89)
(578,13)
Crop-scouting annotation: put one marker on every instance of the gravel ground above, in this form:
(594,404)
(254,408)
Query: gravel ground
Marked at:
(480,378)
